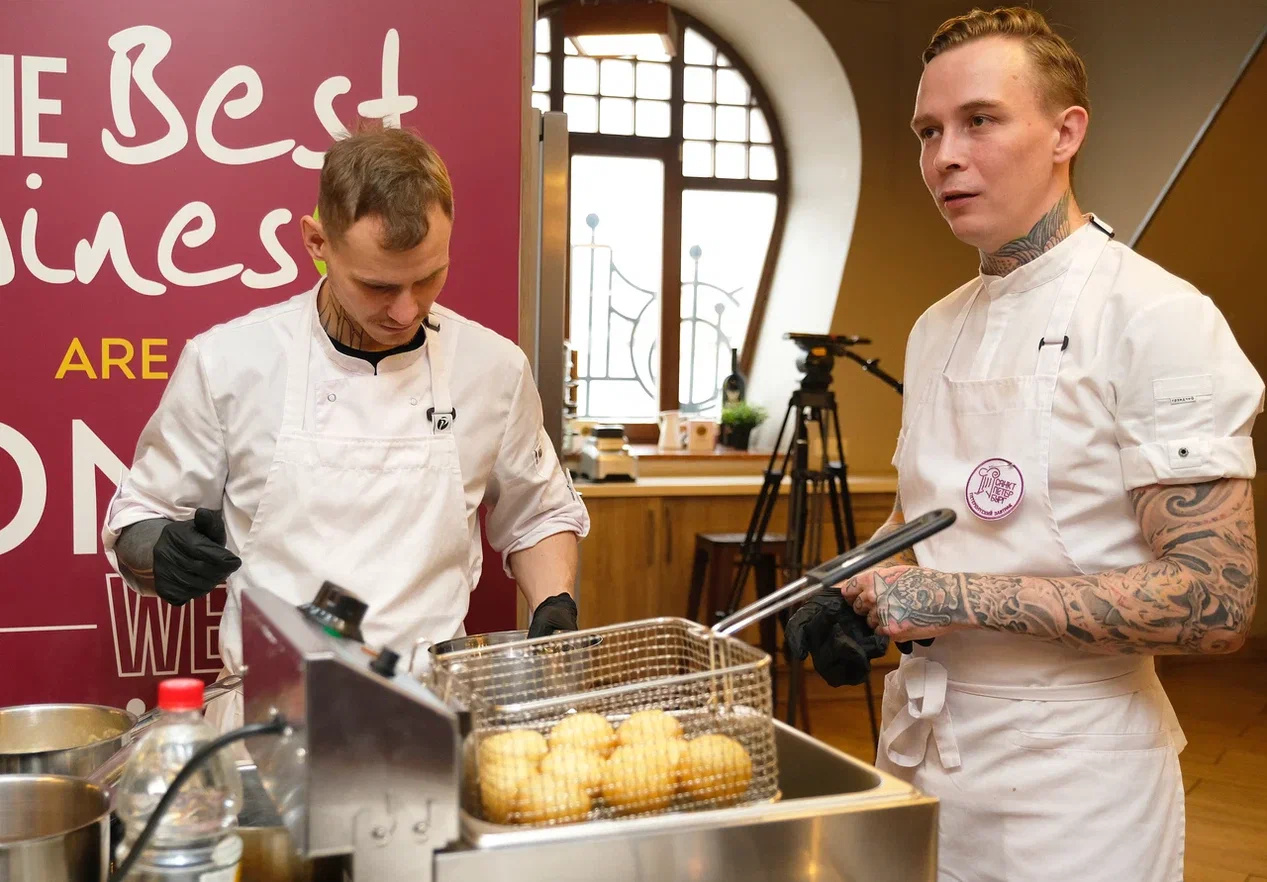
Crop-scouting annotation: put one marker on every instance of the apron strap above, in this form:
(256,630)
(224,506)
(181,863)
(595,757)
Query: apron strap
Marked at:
(297,358)
(442,413)
(905,740)
(1055,339)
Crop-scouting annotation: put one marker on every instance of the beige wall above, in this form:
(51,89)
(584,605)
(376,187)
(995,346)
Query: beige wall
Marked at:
(1157,70)
(1210,230)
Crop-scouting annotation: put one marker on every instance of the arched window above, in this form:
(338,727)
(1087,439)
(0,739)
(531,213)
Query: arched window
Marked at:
(678,189)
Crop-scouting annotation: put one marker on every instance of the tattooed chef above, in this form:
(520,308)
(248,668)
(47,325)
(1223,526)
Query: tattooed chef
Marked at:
(1087,415)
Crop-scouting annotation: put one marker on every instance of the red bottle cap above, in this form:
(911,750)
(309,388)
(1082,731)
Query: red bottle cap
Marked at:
(180,694)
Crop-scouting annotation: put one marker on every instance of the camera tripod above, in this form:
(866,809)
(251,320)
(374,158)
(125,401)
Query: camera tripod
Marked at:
(810,488)
(813,404)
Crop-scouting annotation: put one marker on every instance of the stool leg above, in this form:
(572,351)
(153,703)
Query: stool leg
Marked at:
(699,571)
(765,576)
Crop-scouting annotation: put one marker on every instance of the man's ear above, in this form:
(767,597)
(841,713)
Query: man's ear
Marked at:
(314,236)
(1069,136)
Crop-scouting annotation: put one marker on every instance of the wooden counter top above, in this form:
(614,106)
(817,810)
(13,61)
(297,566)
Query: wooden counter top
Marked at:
(714,485)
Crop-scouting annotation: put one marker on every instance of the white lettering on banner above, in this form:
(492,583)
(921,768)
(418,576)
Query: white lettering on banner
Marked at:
(8,106)
(204,635)
(323,104)
(155,44)
(30,257)
(286,271)
(7,267)
(234,108)
(200,235)
(32,488)
(392,104)
(145,640)
(89,454)
(35,105)
(148,643)
(109,240)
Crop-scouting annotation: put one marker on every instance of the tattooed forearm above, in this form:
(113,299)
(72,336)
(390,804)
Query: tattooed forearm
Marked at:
(336,322)
(1050,229)
(1198,596)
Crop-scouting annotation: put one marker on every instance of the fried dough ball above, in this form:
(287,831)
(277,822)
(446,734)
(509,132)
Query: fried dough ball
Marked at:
(586,730)
(640,777)
(648,725)
(715,767)
(518,744)
(544,798)
(575,764)
(499,786)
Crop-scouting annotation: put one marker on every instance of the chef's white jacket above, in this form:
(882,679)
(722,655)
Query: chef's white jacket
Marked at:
(211,440)
(1153,388)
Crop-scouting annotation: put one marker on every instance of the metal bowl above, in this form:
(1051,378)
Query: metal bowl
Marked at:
(53,829)
(60,739)
(475,641)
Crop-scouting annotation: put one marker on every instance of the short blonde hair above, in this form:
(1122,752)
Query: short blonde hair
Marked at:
(389,173)
(1061,72)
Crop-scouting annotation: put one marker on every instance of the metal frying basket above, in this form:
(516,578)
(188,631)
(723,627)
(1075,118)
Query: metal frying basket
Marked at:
(679,681)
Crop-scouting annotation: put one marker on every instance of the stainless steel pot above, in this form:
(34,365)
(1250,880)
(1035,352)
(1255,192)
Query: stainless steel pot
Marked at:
(60,739)
(53,829)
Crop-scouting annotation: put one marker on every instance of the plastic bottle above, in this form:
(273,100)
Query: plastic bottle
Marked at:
(196,839)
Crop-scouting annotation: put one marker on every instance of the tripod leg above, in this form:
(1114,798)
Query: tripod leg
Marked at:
(797,502)
(761,514)
(835,497)
(851,534)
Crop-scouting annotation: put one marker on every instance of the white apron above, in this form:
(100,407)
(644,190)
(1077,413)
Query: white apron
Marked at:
(1049,763)
(384,517)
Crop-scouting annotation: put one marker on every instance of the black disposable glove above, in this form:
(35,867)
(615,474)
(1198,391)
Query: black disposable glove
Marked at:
(190,558)
(557,613)
(840,640)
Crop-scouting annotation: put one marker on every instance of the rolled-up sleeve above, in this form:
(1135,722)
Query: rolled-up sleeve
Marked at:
(1186,396)
(529,495)
(180,463)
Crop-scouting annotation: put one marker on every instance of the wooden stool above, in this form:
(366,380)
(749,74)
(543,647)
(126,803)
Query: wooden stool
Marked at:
(716,557)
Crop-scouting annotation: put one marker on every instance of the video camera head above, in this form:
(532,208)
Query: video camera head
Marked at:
(820,355)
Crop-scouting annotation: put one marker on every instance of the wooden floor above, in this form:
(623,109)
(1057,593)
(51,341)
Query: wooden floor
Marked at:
(1222,705)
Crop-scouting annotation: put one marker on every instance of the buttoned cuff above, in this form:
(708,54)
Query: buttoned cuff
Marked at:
(1187,461)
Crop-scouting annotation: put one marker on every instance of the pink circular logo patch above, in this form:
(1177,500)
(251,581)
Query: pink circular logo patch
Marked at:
(994,489)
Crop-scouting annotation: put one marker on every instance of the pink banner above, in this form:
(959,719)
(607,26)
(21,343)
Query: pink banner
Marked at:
(155,160)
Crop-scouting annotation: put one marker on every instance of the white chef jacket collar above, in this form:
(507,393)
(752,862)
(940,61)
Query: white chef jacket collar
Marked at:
(350,363)
(1047,266)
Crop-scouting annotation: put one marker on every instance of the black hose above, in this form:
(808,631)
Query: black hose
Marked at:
(277,726)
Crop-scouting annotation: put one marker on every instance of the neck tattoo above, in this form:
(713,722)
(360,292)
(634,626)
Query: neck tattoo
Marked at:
(1043,236)
(337,323)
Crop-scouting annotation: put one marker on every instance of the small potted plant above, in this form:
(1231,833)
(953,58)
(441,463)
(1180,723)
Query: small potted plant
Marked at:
(737,422)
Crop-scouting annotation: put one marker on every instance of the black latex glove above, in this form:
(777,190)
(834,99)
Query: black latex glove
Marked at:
(190,558)
(839,639)
(557,613)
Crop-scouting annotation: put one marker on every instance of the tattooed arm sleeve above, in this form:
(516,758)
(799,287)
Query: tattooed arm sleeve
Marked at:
(1197,597)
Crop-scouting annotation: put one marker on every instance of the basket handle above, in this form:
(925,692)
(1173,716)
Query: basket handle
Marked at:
(836,570)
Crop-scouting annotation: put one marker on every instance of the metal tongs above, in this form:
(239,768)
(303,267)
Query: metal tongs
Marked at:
(838,569)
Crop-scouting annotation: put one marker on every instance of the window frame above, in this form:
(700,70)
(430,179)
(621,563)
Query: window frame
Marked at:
(669,150)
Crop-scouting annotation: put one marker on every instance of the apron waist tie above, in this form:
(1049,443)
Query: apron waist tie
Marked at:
(905,740)
(924,684)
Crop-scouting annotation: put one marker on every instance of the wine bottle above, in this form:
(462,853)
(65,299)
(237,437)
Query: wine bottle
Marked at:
(735,385)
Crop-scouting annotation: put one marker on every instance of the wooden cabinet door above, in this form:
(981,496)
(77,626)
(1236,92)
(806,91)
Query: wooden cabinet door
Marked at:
(620,561)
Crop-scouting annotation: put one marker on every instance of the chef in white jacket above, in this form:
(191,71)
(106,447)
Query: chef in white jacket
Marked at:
(352,432)
(1087,415)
